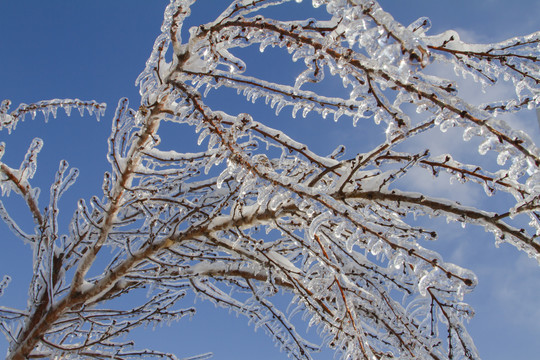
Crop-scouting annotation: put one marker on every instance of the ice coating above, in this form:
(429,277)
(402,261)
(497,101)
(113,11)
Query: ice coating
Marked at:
(253,211)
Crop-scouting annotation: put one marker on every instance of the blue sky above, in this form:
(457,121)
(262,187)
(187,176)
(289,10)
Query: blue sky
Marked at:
(96,49)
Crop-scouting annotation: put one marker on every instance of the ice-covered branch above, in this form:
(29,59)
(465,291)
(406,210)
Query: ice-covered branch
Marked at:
(466,214)
(250,211)
(47,107)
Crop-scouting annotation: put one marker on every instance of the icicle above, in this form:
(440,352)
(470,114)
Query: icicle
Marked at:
(4,284)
